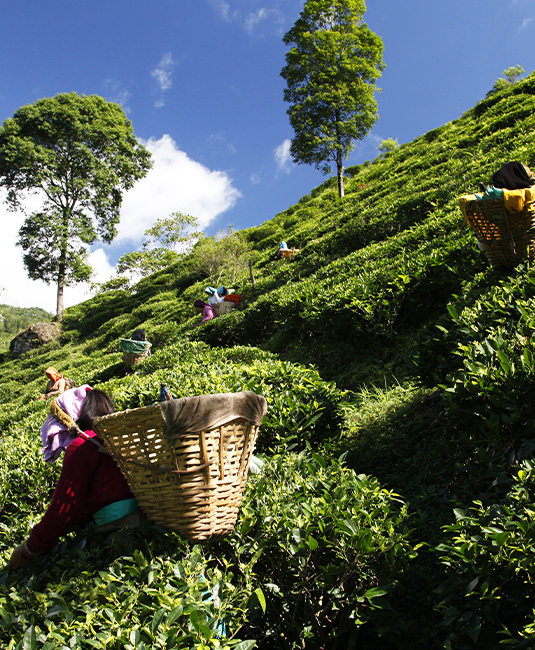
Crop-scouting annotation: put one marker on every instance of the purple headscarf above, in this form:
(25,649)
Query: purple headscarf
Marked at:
(54,434)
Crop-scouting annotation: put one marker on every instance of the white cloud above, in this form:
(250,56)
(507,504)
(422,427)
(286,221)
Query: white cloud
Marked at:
(175,183)
(119,94)
(162,73)
(222,8)
(221,139)
(525,23)
(274,19)
(17,288)
(282,156)
(253,19)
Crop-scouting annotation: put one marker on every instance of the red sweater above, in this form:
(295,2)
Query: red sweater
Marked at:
(89,481)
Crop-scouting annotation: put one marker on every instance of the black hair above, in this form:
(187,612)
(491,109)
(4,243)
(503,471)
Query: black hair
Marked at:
(96,403)
(139,335)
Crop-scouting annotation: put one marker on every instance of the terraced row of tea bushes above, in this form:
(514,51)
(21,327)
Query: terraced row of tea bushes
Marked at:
(490,327)
(362,292)
(302,407)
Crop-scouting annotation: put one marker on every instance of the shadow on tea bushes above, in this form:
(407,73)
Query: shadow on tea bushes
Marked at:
(323,544)
(486,598)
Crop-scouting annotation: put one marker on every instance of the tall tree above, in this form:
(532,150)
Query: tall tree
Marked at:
(330,71)
(79,153)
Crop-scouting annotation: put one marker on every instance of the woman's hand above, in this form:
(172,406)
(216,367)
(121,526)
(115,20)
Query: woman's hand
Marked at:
(21,557)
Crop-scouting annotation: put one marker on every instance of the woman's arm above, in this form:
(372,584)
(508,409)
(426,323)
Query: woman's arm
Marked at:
(57,388)
(68,507)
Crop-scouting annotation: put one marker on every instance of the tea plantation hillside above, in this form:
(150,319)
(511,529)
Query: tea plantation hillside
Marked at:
(395,508)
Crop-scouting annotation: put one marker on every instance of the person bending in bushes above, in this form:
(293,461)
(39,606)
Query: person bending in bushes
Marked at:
(140,335)
(214,298)
(56,384)
(283,246)
(205,309)
(91,485)
(135,349)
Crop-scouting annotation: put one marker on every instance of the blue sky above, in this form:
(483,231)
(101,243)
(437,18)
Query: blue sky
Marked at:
(201,83)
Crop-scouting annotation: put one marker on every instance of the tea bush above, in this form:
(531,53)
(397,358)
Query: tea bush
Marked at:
(487,595)
(325,546)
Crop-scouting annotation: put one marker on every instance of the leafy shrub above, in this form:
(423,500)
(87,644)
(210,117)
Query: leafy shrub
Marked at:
(487,597)
(324,545)
(496,358)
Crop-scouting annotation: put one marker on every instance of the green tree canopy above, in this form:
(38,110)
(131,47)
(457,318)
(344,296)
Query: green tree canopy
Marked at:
(510,76)
(223,257)
(79,153)
(167,241)
(388,145)
(330,71)
(172,232)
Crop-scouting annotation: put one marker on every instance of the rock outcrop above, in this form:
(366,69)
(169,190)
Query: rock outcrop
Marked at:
(33,337)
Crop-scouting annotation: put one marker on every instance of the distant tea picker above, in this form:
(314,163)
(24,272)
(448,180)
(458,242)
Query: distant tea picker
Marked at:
(502,216)
(284,252)
(135,349)
(56,384)
(206,310)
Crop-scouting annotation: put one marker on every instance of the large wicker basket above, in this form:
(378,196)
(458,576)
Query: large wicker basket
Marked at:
(131,359)
(134,351)
(506,238)
(193,486)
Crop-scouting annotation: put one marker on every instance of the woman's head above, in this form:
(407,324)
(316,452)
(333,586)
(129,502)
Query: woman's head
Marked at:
(53,374)
(199,304)
(139,335)
(96,403)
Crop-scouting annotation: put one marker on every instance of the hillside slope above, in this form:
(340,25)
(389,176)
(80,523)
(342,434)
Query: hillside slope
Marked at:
(395,505)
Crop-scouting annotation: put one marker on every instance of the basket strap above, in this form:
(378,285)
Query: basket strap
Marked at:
(60,415)
(66,420)
(245,449)
(510,232)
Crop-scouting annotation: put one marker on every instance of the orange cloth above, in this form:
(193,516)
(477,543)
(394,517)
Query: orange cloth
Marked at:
(233,297)
(53,374)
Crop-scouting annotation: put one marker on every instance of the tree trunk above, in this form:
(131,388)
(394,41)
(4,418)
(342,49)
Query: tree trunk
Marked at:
(62,265)
(251,273)
(59,303)
(339,159)
(340,176)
